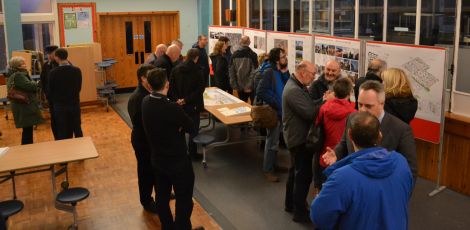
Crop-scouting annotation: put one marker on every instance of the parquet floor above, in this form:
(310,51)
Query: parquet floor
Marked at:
(111,179)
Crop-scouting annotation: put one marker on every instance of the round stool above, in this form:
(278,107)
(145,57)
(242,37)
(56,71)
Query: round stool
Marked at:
(204,140)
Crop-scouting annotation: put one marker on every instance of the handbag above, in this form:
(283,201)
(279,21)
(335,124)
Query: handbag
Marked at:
(263,116)
(315,138)
(16,95)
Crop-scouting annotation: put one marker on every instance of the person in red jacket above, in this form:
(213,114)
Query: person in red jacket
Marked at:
(332,117)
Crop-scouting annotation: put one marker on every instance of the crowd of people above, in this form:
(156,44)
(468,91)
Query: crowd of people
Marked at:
(352,139)
(362,161)
(60,82)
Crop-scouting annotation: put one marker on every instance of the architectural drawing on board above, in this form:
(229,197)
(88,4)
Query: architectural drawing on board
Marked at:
(418,70)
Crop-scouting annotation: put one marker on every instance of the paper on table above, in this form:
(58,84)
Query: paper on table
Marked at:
(235,111)
(3,150)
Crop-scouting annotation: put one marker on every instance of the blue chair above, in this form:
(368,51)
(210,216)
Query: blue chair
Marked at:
(204,140)
(9,208)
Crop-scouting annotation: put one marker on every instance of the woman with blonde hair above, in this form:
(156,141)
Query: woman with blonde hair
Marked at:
(220,66)
(25,114)
(399,99)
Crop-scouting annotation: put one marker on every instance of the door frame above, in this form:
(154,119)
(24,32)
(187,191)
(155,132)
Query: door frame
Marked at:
(143,13)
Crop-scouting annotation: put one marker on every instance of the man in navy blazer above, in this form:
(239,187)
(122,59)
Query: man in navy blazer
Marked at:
(397,135)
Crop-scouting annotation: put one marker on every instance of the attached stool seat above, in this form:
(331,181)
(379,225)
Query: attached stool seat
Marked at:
(204,140)
(9,208)
(72,196)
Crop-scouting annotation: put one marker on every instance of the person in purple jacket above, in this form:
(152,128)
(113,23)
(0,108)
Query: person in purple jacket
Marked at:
(368,189)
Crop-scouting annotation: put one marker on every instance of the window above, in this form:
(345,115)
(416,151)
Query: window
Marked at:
(36,6)
(129,39)
(301,16)
(437,22)
(465,24)
(225,6)
(37,36)
(268,14)
(283,16)
(371,20)
(344,18)
(401,24)
(234,10)
(321,16)
(1,6)
(253,20)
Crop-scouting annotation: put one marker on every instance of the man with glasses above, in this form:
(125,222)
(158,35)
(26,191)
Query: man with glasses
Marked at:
(275,76)
(299,111)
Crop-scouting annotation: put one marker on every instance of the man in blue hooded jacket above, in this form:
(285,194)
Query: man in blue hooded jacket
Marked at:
(368,189)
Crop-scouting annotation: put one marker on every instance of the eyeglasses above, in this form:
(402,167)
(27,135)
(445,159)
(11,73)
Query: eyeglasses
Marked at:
(284,56)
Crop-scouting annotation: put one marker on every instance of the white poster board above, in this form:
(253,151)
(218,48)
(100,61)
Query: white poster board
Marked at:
(234,34)
(298,47)
(346,51)
(425,68)
(257,38)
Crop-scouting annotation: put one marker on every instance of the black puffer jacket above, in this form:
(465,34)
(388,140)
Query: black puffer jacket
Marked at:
(403,108)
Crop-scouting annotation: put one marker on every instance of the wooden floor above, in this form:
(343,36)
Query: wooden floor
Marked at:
(111,179)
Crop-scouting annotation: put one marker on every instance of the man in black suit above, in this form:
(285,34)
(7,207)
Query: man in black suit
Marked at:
(168,60)
(165,124)
(397,135)
(186,89)
(139,140)
(65,83)
(46,69)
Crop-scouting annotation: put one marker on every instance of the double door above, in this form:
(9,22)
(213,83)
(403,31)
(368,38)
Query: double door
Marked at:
(130,38)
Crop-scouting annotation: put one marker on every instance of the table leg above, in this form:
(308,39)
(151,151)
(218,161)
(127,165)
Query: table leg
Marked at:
(12,174)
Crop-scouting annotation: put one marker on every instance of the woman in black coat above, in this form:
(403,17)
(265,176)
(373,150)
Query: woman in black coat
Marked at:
(399,99)
(220,67)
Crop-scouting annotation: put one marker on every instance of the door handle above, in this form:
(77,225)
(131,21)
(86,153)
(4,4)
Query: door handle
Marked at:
(141,57)
(136,57)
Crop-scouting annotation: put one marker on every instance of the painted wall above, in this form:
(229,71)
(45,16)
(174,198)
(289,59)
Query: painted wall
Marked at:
(12,24)
(205,15)
(188,13)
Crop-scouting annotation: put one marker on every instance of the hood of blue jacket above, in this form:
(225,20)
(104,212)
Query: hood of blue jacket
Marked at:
(265,65)
(374,162)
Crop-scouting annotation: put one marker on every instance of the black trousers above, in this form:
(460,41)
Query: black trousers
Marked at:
(178,174)
(67,121)
(27,135)
(318,177)
(244,96)
(196,117)
(53,122)
(145,177)
(299,179)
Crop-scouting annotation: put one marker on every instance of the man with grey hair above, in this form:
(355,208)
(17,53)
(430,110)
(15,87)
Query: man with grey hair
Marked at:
(243,63)
(325,82)
(374,70)
(299,111)
(159,51)
(397,135)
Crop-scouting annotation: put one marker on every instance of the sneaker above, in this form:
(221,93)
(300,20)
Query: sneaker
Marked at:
(271,177)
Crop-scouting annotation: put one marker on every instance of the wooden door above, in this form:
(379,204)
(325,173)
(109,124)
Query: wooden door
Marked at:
(130,38)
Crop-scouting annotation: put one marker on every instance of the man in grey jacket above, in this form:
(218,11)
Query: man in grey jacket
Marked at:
(243,63)
(299,111)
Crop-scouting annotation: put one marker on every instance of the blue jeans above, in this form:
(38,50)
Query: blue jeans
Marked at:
(271,147)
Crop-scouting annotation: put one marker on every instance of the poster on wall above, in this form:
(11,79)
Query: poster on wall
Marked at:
(426,69)
(345,51)
(234,34)
(297,47)
(70,21)
(83,19)
(257,38)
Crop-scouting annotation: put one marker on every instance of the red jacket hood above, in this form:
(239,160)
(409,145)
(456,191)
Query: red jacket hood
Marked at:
(338,109)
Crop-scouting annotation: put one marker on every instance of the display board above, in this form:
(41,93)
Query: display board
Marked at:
(298,47)
(234,34)
(344,50)
(426,70)
(257,38)
(77,22)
